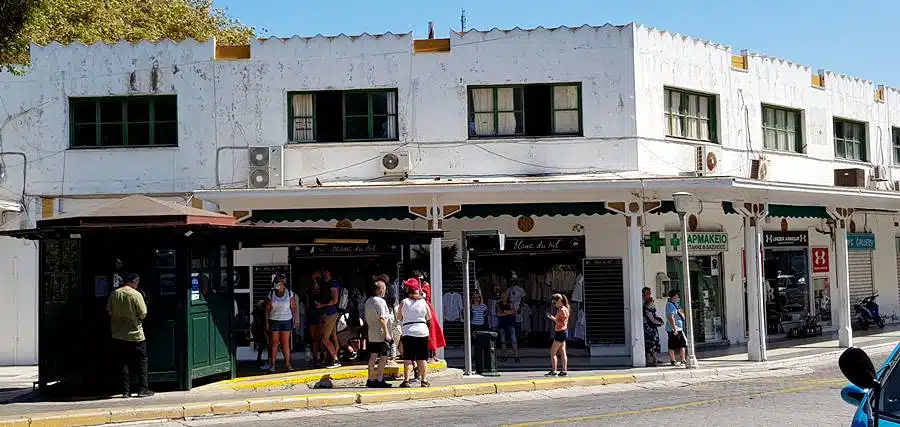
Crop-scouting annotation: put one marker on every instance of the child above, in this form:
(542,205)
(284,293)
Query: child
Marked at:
(258,332)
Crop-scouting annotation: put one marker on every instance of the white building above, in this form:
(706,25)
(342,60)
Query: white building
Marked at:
(544,134)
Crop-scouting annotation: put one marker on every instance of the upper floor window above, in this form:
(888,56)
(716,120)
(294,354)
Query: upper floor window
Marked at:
(781,129)
(337,116)
(690,115)
(895,144)
(850,140)
(525,110)
(128,121)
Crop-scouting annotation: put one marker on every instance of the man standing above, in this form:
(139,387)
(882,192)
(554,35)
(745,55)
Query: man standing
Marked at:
(127,311)
(675,328)
(379,342)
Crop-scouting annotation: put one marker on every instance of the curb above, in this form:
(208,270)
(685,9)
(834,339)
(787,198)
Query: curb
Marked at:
(304,377)
(325,400)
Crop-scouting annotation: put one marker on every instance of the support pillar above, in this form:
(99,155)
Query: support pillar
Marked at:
(842,275)
(756,295)
(634,303)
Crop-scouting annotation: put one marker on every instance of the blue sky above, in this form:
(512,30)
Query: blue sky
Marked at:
(857,37)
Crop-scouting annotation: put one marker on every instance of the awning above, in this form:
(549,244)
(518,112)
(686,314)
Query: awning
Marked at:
(786,211)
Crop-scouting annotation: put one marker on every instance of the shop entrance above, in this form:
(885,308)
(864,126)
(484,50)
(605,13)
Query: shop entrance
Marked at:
(529,271)
(787,286)
(707,295)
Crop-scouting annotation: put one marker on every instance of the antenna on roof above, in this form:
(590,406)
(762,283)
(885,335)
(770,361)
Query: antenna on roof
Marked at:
(430,29)
(462,21)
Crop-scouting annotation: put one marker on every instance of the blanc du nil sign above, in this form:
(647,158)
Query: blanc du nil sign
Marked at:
(704,242)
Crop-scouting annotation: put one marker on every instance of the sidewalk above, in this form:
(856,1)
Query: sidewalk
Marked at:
(283,392)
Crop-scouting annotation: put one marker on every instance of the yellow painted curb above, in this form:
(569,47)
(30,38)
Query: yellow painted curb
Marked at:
(553,383)
(230,407)
(146,413)
(474,389)
(420,393)
(304,377)
(200,409)
(326,400)
(384,396)
(515,386)
(619,379)
(15,422)
(278,404)
(73,418)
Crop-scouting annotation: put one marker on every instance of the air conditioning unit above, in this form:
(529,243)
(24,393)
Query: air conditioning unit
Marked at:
(759,169)
(265,166)
(707,160)
(879,173)
(853,177)
(896,186)
(395,163)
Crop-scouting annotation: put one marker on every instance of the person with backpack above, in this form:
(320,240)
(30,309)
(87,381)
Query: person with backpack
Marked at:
(282,318)
(328,310)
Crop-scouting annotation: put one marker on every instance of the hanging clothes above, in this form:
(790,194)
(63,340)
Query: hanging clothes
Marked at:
(453,307)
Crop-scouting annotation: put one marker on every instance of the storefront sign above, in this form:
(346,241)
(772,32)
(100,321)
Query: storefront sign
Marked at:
(527,244)
(344,249)
(861,241)
(709,242)
(785,238)
(819,260)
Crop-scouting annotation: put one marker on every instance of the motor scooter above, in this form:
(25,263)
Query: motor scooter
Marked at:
(866,312)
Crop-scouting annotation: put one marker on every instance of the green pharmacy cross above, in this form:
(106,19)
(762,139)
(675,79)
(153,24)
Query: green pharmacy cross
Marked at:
(654,242)
(674,242)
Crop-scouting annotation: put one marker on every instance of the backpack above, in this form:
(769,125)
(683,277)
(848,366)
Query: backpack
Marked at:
(343,300)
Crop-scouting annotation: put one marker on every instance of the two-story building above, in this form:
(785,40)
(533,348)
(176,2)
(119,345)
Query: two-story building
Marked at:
(570,141)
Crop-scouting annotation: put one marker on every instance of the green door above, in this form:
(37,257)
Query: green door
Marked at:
(210,306)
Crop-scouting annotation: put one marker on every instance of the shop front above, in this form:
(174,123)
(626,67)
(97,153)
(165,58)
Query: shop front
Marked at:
(788,290)
(529,270)
(859,256)
(707,287)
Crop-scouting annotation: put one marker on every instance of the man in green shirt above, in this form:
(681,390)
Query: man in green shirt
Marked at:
(127,311)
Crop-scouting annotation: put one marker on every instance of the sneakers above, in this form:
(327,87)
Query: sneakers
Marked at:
(563,374)
(145,393)
(332,365)
(371,384)
(414,381)
(382,384)
(551,374)
(517,359)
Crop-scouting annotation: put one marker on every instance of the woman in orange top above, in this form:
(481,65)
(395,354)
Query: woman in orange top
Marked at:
(561,334)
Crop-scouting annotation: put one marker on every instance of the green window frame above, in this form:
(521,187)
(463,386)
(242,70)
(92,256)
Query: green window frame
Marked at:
(850,140)
(782,129)
(487,118)
(377,120)
(690,115)
(123,121)
(895,144)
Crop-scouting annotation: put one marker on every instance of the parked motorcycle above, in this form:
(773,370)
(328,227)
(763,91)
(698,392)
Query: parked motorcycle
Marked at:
(866,313)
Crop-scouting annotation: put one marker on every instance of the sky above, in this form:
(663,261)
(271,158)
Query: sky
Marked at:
(855,37)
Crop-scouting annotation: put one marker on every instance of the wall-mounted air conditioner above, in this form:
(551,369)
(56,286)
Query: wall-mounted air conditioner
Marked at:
(853,177)
(879,173)
(395,163)
(759,168)
(707,160)
(265,166)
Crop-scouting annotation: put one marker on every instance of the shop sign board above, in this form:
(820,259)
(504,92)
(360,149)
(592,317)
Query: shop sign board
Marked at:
(819,261)
(698,242)
(345,249)
(861,241)
(527,244)
(785,238)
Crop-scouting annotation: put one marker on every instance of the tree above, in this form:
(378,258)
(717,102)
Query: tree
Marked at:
(111,21)
(13,15)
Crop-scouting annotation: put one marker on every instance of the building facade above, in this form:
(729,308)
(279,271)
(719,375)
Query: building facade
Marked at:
(570,141)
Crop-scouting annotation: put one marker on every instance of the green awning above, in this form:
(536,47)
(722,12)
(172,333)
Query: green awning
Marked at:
(786,211)
(402,212)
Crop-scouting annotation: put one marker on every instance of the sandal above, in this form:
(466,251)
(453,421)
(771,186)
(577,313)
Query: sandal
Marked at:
(425,383)
(404,384)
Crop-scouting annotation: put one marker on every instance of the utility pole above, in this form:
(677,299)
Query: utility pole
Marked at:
(462,21)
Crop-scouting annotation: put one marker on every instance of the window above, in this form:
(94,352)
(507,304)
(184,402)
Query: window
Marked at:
(527,110)
(690,115)
(895,144)
(133,121)
(337,116)
(850,140)
(781,129)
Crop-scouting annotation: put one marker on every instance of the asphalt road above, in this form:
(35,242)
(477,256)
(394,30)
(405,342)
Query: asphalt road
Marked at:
(797,397)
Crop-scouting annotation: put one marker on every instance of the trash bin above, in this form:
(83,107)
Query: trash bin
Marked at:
(483,343)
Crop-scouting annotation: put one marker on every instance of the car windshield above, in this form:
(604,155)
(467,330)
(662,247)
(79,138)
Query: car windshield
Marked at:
(889,405)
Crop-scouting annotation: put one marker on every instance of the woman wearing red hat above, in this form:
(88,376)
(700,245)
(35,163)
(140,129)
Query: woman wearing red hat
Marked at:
(414,317)
(436,337)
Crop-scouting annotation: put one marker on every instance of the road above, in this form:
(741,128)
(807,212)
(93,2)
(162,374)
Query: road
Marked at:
(800,397)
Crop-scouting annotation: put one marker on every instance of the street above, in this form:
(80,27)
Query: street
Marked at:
(801,397)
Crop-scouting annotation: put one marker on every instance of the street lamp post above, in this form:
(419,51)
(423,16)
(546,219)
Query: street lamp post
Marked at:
(683,205)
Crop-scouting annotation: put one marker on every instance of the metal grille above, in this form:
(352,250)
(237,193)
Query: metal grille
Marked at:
(604,300)
(860,274)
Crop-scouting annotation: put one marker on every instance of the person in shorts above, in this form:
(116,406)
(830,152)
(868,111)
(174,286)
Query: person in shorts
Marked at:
(327,306)
(675,328)
(379,335)
(506,321)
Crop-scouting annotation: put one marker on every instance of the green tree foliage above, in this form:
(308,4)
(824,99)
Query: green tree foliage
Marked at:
(65,21)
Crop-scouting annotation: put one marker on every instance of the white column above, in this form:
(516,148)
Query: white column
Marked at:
(437,287)
(842,273)
(635,284)
(756,299)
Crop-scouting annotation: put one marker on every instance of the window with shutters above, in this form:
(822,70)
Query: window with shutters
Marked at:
(343,116)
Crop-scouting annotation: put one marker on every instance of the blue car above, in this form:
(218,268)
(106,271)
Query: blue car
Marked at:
(876,394)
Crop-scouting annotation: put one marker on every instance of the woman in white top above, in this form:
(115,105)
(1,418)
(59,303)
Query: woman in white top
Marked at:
(414,317)
(281,309)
